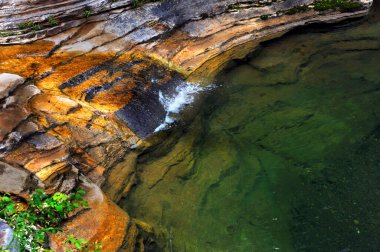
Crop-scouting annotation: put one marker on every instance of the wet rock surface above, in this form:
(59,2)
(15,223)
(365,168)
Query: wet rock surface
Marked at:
(85,101)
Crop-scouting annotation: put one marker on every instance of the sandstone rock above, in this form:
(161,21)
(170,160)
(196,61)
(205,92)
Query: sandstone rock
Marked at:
(15,109)
(121,177)
(44,141)
(16,180)
(8,82)
(102,222)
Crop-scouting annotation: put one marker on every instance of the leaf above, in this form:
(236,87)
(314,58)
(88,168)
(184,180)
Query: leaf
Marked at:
(78,245)
(59,208)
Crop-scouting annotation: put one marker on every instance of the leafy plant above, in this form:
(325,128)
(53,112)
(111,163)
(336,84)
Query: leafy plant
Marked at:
(52,21)
(6,34)
(342,5)
(87,12)
(82,245)
(36,27)
(42,214)
(138,3)
(29,25)
(25,25)
(297,9)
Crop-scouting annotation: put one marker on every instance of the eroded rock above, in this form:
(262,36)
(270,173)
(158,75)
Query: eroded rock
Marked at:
(103,222)
(17,180)
(8,82)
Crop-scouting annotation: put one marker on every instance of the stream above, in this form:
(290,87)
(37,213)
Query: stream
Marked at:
(284,154)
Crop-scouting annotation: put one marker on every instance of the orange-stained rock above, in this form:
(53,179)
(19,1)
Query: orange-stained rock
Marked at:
(54,104)
(102,222)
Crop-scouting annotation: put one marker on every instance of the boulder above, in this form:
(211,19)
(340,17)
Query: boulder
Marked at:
(8,82)
(17,180)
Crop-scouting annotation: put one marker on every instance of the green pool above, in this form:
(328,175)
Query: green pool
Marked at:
(283,156)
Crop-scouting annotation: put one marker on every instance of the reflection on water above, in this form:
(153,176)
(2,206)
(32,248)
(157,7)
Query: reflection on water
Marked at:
(285,156)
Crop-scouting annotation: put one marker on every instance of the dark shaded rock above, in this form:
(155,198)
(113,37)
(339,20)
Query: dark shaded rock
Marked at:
(44,141)
(144,114)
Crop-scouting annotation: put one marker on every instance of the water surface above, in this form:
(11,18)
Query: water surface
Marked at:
(284,156)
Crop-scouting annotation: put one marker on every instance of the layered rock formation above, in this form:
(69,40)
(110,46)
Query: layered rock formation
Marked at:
(90,102)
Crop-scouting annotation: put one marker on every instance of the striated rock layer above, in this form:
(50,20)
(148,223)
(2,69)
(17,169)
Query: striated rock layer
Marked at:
(87,103)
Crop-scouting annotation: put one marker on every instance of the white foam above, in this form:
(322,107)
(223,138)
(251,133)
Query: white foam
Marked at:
(173,104)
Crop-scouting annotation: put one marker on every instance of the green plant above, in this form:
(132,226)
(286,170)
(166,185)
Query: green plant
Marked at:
(264,17)
(342,5)
(36,27)
(87,12)
(6,34)
(82,245)
(138,3)
(25,25)
(52,21)
(29,25)
(297,9)
(32,222)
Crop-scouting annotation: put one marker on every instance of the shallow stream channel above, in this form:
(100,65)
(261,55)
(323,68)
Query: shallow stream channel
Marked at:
(284,154)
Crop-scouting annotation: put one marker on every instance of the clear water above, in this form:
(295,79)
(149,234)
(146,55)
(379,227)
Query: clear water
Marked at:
(284,156)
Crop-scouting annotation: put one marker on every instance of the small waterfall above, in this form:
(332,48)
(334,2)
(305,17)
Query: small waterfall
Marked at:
(174,103)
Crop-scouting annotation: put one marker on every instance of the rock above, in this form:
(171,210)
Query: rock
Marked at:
(6,237)
(121,178)
(100,84)
(44,141)
(15,109)
(8,82)
(16,180)
(102,222)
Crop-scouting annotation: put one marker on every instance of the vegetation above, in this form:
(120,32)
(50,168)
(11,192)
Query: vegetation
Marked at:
(264,17)
(82,245)
(87,12)
(138,3)
(4,34)
(297,9)
(25,25)
(342,5)
(36,27)
(29,25)
(52,21)
(42,214)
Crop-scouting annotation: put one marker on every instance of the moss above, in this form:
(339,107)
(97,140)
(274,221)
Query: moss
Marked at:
(341,5)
